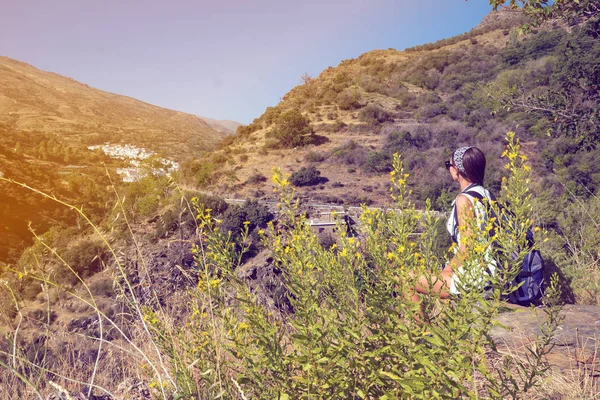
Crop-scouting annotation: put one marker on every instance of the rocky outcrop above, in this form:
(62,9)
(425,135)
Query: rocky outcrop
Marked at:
(504,16)
(576,340)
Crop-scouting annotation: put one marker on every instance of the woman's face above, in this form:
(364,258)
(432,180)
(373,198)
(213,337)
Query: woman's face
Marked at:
(453,170)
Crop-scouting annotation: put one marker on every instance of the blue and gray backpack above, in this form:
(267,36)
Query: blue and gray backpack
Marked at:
(530,280)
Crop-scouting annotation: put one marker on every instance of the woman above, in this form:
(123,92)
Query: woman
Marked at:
(467,168)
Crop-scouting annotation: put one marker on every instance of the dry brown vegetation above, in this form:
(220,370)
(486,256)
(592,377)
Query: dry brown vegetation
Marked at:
(33,101)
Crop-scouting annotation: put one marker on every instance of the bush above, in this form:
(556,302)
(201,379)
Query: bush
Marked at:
(199,172)
(378,162)
(256,178)
(308,320)
(215,203)
(314,157)
(346,308)
(86,257)
(350,153)
(398,141)
(306,177)
(252,214)
(374,115)
(430,111)
(349,99)
(293,129)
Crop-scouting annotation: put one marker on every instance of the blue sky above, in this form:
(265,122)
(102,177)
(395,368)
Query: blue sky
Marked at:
(220,59)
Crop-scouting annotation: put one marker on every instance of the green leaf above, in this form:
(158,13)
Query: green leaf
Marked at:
(390,375)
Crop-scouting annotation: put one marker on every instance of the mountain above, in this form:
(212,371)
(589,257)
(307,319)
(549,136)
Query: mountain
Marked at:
(32,100)
(423,102)
(225,126)
(47,122)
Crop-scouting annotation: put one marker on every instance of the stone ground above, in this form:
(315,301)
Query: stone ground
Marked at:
(576,350)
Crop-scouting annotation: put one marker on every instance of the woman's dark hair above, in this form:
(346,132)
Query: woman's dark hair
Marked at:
(474,164)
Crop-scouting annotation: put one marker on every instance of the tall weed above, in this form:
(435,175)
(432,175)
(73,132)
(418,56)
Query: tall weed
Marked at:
(350,328)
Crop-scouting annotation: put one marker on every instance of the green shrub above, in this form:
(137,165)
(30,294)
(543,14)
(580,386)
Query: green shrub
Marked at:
(378,162)
(306,176)
(374,115)
(270,115)
(142,198)
(396,141)
(350,153)
(349,99)
(86,256)
(353,329)
(293,129)
(204,174)
(178,214)
(314,157)
(256,178)
(215,203)
(249,216)
(200,172)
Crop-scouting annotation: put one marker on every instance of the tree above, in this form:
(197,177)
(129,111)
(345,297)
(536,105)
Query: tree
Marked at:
(251,213)
(571,11)
(306,177)
(306,78)
(571,100)
(293,129)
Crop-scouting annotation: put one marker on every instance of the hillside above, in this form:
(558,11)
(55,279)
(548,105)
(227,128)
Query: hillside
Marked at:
(225,126)
(422,102)
(32,100)
(361,111)
(47,121)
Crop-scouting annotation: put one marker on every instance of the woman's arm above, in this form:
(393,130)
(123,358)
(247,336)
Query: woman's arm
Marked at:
(441,287)
(465,213)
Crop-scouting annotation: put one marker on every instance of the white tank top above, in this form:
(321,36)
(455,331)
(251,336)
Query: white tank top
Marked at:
(479,207)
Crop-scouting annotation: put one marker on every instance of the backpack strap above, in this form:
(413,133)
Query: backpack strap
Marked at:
(455,217)
(502,209)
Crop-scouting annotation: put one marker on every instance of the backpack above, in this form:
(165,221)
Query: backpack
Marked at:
(530,280)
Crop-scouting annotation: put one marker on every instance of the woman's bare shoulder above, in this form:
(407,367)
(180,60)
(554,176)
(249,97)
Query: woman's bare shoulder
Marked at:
(462,200)
(463,203)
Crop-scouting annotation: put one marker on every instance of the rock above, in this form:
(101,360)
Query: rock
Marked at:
(501,18)
(576,340)
(265,279)
(133,389)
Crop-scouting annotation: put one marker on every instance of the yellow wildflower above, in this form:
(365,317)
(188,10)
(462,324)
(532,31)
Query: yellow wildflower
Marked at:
(243,325)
